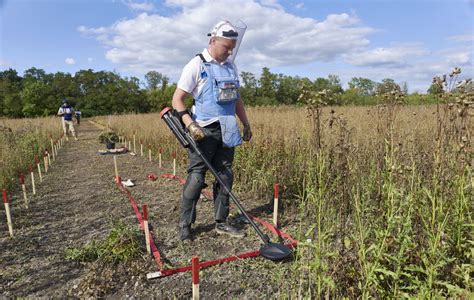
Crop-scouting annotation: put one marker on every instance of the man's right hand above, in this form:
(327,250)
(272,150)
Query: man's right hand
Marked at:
(196,131)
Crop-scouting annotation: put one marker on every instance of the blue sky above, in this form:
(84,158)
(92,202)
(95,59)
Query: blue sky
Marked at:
(408,41)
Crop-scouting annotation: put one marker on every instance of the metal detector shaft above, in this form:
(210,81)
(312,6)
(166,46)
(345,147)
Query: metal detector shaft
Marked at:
(183,135)
(264,237)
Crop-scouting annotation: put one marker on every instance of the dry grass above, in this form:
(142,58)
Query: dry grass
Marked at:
(384,194)
(20,141)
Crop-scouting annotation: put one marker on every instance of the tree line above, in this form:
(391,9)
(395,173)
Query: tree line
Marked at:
(38,93)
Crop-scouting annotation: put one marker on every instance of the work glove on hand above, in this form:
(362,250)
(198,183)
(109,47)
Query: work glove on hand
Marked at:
(196,131)
(247,133)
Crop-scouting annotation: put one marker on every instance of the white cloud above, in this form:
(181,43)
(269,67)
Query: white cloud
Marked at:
(273,37)
(70,61)
(90,59)
(412,64)
(459,58)
(299,5)
(463,38)
(390,57)
(182,3)
(140,6)
(271,3)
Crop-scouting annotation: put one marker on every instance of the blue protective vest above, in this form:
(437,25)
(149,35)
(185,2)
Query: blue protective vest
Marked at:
(67,110)
(218,98)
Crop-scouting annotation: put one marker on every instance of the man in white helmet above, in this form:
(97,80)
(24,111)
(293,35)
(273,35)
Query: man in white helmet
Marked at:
(211,78)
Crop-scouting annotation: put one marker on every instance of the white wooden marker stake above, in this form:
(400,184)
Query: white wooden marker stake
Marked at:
(23,188)
(195,271)
(146,229)
(32,180)
(174,163)
(275,204)
(49,158)
(39,168)
(134,144)
(115,167)
(149,152)
(46,162)
(159,158)
(129,145)
(52,149)
(7,211)
(141,148)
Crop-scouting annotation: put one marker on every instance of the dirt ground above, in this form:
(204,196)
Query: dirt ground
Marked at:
(78,201)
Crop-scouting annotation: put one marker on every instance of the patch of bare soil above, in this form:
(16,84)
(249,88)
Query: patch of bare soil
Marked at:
(78,201)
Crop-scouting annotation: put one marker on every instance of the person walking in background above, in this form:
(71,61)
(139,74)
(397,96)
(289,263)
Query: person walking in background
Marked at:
(78,117)
(66,111)
(211,78)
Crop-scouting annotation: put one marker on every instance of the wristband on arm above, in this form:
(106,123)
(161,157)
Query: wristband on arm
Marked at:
(182,113)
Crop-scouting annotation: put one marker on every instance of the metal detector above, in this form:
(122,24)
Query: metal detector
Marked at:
(272,251)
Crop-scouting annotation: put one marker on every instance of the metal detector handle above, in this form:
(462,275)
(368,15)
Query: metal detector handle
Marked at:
(175,125)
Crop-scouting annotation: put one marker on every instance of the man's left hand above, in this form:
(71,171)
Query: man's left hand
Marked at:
(247,133)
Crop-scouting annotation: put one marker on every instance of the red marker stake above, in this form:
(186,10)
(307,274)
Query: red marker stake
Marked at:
(7,211)
(195,271)
(23,188)
(276,189)
(32,180)
(146,229)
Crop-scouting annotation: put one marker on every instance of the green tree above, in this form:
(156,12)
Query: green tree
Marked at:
(287,89)
(10,88)
(248,89)
(34,96)
(363,86)
(388,86)
(156,80)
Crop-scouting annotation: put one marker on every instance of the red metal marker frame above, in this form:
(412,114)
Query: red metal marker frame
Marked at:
(292,243)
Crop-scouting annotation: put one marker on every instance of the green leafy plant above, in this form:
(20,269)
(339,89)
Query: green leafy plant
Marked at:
(122,244)
(108,136)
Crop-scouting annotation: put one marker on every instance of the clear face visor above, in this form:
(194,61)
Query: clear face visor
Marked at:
(240,26)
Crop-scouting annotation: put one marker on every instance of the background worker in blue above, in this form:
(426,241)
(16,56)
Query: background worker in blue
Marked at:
(66,111)
(211,78)
(78,116)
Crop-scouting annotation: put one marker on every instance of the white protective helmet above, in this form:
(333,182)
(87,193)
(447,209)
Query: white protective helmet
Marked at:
(225,29)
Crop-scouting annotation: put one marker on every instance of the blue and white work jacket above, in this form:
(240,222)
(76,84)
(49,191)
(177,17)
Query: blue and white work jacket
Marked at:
(67,111)
(218,99)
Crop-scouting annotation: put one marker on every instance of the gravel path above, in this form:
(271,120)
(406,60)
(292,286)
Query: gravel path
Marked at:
(78,201)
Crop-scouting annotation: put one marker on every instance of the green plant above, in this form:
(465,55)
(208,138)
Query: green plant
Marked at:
(122,244)
(108,136)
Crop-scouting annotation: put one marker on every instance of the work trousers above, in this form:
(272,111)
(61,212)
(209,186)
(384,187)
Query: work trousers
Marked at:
(221,159)
(69,124)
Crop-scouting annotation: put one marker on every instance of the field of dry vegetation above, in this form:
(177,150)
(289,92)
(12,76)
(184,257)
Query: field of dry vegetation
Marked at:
(384,193)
